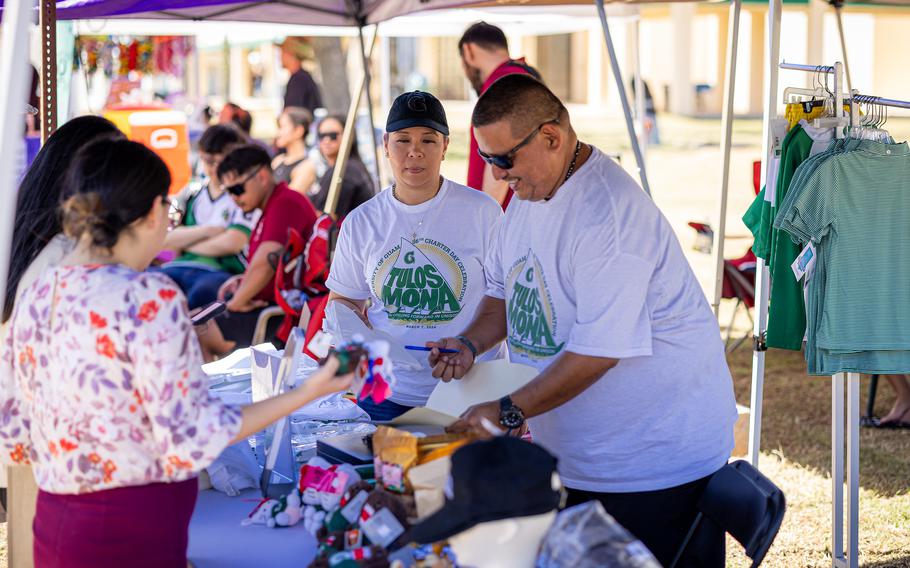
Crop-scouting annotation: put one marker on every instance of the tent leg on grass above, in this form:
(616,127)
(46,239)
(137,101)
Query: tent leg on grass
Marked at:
(772,60)
(725,144)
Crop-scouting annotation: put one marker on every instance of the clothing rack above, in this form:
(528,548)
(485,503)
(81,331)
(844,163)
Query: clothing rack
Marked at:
(845,413)
(880,101)
(841,383)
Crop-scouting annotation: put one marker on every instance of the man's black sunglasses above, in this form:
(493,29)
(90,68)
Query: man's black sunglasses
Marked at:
(330,135)
(240,188)
(506,161)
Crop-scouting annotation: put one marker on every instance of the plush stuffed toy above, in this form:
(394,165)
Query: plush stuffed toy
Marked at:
(261,514)
(290,515)
(322,487)
(349,508)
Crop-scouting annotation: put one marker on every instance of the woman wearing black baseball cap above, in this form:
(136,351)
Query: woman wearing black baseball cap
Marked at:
(410,260)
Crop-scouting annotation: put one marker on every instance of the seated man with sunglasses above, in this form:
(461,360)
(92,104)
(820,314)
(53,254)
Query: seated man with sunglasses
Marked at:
(588,284)
(210,233)
(246,174)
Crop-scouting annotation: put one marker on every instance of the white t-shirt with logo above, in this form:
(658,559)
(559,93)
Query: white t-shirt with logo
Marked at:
(422,267)
(597,271)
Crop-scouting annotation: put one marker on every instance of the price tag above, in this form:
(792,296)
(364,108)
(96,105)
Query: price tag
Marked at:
(382,528)
(804,264)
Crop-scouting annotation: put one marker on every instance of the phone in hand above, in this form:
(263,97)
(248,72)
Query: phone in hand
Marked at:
(212,310)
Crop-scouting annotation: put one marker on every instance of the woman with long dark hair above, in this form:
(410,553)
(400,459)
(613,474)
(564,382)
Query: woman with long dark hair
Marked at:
(101,386)
(38,244)
(357,186)
(37,223)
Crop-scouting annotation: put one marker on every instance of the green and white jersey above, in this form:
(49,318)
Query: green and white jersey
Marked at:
(787,313)
(422,267)
(204,210)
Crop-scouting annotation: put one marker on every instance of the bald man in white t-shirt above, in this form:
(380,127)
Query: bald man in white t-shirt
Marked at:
(588,284)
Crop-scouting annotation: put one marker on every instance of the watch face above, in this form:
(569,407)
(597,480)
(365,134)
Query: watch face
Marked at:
(511,418)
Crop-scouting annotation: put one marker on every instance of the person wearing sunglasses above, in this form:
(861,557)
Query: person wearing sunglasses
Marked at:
(410,260)
(210,231)
(357,187)
(589,285)
(246,175)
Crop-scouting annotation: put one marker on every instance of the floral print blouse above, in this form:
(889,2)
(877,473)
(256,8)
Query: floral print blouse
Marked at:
(101,384)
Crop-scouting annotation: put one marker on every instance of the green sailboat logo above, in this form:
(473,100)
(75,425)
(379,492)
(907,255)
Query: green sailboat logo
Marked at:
(416,291)
(532,321)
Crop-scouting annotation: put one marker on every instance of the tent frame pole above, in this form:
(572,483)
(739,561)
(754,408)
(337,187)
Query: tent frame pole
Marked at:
(347,140)
(726,136)
(639,87)
(14,47)
(47,20)
(762,281)
(369,95)
(623,97)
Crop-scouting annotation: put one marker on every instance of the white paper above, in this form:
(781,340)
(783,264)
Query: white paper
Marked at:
(265,362)
(420,416)
(239,360)
(486,381)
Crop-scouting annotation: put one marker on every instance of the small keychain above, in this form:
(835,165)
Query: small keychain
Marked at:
(349,357)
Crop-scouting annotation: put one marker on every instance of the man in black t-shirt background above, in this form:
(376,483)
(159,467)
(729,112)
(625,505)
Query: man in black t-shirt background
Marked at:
(301,90)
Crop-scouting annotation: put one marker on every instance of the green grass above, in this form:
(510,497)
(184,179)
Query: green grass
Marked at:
(796,439)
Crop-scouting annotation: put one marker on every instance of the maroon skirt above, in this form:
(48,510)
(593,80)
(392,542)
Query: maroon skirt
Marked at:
(129,526)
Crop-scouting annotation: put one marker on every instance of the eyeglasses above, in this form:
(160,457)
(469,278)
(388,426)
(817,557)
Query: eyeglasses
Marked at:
(506,161)
(240,188)
(333,136)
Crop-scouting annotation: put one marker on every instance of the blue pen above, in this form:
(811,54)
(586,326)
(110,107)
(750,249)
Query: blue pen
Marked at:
(422,348)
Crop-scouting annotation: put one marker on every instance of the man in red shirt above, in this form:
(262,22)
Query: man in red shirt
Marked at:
(485,58)
(246,174)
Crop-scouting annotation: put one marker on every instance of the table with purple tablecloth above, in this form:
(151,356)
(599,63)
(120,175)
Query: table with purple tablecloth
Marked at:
(217,539)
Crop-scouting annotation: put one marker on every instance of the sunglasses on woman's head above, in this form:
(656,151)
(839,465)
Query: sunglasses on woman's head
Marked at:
(507,161)
(240,188)
(333,136)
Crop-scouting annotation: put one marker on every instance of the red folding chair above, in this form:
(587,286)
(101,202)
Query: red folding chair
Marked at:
(739,276)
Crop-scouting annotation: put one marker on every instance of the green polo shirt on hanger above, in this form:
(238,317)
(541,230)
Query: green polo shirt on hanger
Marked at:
(856,207)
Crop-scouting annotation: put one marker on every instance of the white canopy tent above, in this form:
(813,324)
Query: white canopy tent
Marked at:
(360,13)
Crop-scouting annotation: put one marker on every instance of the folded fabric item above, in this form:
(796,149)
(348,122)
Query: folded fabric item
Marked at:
(235,469)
